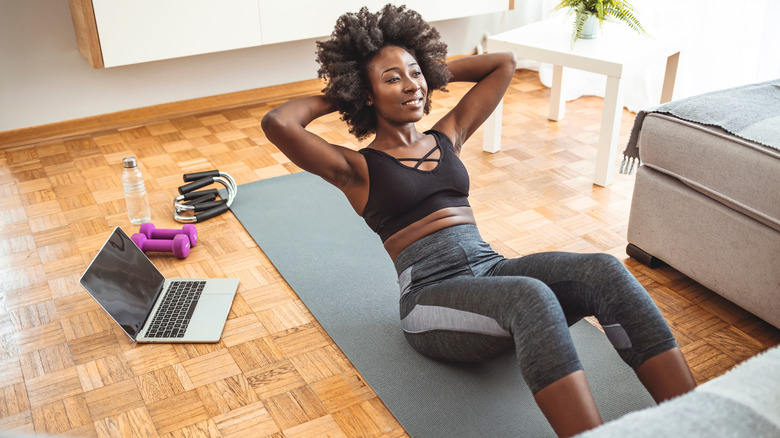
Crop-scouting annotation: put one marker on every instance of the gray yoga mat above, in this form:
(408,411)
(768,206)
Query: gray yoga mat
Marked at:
(340,270)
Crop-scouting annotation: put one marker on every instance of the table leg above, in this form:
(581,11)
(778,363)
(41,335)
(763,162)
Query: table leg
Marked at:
(491,136)
(669,77)
(557,102)
(610,128)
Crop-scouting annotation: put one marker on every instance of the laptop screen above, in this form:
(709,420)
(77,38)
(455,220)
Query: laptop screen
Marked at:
(123,281)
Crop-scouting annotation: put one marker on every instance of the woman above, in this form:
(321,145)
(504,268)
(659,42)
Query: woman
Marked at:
(461,301)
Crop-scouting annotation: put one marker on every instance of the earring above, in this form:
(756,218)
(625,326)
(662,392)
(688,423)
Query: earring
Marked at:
(370,103)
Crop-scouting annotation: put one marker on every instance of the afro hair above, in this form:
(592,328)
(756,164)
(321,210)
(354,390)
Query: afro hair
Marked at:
(355,40)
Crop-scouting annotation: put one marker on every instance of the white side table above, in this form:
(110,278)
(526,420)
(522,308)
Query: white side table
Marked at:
(549,41)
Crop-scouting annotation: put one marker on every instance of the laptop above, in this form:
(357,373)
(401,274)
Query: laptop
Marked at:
(149,307)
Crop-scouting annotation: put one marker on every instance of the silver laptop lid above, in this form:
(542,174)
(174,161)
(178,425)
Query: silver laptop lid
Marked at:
(124,282)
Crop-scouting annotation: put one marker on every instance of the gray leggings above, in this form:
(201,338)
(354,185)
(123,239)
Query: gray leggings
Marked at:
(463,302)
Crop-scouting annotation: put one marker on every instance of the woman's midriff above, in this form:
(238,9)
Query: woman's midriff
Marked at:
(438,220)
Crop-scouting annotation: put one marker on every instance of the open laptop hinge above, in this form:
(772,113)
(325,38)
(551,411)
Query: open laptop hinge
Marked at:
(151,309)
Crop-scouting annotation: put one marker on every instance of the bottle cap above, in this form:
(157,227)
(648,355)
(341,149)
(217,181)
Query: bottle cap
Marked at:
(129,162)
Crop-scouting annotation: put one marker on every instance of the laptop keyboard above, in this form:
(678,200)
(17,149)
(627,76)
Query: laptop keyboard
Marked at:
(173,315)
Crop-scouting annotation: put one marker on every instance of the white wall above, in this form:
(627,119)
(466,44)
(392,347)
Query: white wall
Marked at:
(44,79)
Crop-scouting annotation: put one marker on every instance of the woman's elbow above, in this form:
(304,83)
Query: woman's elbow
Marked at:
(511,60)
(272,124)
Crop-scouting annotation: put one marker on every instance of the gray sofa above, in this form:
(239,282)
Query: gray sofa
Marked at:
(707,199)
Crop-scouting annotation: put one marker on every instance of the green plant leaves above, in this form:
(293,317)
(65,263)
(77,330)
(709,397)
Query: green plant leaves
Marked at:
(611,10)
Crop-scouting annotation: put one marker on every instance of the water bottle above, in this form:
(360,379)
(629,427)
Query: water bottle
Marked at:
(135,192)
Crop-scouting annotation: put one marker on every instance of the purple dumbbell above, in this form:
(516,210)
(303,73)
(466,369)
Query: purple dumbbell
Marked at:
(179,246)
(151,232)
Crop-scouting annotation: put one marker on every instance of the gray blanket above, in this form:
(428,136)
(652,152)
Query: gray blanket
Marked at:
(745,402)
(751,112)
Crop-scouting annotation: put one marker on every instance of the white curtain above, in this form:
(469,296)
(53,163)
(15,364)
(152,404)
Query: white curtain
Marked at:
(725,43)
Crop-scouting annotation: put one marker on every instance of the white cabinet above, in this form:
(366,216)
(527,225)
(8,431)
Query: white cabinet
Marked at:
(148,30)
(435,10)
(291,20)
(133,31)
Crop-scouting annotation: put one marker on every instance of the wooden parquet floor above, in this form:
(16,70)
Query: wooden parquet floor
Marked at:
(66,368)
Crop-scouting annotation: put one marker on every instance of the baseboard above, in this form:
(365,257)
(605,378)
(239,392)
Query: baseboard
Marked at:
(106,122)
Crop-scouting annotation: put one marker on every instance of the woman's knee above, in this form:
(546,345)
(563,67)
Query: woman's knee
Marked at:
(537,315)
(605,264)
(609,279)
(534,297)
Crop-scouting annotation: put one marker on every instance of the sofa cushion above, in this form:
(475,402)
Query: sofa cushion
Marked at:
(738,173)
(744,402)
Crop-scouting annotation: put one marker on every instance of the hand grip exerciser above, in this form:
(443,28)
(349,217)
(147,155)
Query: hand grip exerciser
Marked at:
(203,204)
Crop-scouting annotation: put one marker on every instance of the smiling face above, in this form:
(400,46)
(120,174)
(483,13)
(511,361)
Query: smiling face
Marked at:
(398,88)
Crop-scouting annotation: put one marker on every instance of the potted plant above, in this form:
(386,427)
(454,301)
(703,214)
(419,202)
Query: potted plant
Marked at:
(590,13)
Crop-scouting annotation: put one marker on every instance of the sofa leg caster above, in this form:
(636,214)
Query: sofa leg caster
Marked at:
(643,257)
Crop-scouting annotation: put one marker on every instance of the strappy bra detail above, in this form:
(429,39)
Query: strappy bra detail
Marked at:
(400,195)
(424,159)
(398,161)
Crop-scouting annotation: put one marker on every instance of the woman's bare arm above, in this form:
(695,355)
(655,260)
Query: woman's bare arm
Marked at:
(492,73)
(285,127)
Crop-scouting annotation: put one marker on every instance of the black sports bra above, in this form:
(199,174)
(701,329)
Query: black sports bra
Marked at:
(400,195)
